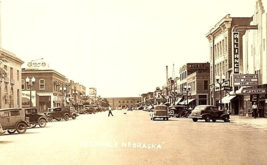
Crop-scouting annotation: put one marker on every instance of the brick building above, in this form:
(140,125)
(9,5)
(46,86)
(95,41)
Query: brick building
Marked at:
(197,76)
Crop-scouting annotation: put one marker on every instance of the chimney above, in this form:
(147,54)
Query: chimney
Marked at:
(167,74)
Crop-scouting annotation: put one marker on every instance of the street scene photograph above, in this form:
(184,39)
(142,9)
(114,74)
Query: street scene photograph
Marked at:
(126,82)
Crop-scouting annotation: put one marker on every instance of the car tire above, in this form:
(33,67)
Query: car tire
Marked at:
(49,118)
(171,112)
(214,120)
(42,123)
(226,119)
(66,117)
(194,120)
(73,117)
(167,118)
(33,125)
(11,131)
(207,119)
(21,128)
(153,118)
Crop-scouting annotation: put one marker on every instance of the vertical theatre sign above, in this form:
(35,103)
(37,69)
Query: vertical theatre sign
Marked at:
(236,51)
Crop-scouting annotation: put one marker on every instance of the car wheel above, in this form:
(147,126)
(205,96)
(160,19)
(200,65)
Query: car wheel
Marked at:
(171,112)
(226,119)
(194,120)
(73,117)
(214,120)
(11,131)
(42,123)
(153,118)
(167,118)
(207,119)
(33,125)
(21,128)
(49,118)
(66,117)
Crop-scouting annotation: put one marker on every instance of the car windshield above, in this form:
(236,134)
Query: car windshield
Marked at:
(161,108)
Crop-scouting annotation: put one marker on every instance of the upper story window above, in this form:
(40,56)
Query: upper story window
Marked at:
(205,85)
(42,84)
(11,74)
(17,75)
(23,84)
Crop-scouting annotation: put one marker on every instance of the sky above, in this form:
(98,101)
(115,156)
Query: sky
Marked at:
(121,47)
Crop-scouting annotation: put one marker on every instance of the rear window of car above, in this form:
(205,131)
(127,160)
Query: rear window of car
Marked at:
(4,114)
(14,113)
(160,108)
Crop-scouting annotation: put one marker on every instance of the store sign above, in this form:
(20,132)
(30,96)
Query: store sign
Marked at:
(236,55)
(227,88)
(245,79)
(254,91)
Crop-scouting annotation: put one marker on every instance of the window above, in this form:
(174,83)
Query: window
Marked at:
(4,114)
(18,75)
(23,84)
(18,98)
(42,84)
(14,113)
(11,74)
(119,101)
(205,85)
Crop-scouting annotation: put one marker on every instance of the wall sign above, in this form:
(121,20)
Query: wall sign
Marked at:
(236,51)
(245,79)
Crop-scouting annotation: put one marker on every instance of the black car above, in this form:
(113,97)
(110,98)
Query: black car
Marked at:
(59,113)
(35,117)
(207,113)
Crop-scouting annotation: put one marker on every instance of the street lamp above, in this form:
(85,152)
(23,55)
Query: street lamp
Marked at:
(187,89)
(220,83)
(65,92)
(30,85)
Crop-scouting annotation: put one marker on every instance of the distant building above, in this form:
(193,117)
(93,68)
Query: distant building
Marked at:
(123,102)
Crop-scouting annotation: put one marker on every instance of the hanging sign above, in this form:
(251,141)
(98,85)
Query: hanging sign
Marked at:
(236,51)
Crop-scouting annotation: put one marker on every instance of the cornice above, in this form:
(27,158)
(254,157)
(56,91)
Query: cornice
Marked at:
(11,55)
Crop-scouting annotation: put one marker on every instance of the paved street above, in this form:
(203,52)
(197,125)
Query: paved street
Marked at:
(132,138)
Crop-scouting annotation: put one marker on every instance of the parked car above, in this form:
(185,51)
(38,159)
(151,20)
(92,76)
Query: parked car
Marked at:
(178,111)
(160,111)
(14,120)
(73,113)
(35,117)
(207,113)
(59,113)
(90,109)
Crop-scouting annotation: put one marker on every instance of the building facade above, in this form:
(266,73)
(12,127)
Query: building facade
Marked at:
(223,65)
(10,80)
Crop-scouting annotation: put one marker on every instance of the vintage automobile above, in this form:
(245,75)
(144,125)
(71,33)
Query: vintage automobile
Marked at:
(90,109)
(35,117)
(160,111)
(178,111)
(207,113)
(14,119)
(59,113)
(130,109)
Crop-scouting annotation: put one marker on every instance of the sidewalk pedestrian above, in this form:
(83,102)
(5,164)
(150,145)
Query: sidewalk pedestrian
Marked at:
(109,111)
(255,109)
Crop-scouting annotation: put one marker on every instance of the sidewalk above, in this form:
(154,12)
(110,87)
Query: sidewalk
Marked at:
(249,121)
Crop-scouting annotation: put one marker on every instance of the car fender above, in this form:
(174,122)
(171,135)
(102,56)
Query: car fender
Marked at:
(223,115)
(67,114)
(42,117)
(22,121)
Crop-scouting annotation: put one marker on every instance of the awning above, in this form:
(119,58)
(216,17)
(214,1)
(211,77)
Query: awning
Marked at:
(239,91)
(179,99)
(227,99)
(185,101)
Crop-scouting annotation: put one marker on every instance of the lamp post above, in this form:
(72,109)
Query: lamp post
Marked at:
(187,89)
(30,85)
(220,83)
(65,92)
(74,92)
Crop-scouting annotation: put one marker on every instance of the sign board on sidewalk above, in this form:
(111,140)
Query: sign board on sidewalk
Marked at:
(245,79)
